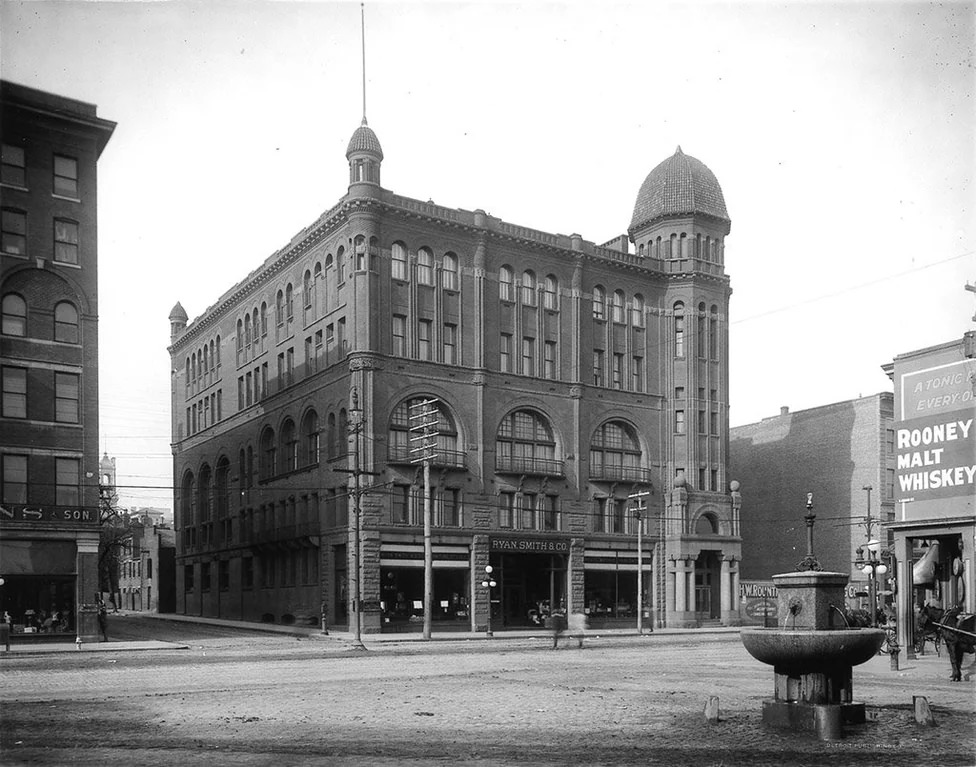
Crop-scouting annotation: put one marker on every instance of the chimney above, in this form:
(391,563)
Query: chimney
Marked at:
(785,410)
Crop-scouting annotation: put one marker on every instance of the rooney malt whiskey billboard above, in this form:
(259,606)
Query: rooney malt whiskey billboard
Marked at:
(935,440)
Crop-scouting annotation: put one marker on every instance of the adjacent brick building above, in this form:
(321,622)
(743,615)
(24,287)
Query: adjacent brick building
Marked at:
(49,355)
(836,452)
(564,376)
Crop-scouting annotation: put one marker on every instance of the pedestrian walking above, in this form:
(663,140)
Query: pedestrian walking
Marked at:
(558,625)
(577,627)
(103,621)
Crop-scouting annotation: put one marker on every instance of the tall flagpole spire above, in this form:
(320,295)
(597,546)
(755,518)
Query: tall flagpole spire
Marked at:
(362,24)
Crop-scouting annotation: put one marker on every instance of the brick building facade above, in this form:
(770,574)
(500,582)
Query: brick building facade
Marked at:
(834,451)
(564,376)
(49,354)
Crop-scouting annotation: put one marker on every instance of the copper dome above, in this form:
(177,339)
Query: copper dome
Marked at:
(681,185)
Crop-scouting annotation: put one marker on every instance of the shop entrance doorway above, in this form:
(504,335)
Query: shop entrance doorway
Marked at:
(707,586)
(530,586)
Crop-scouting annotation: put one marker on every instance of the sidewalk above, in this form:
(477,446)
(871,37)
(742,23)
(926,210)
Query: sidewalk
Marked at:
(340,636)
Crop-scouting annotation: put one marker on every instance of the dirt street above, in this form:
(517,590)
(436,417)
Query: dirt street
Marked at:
(237,698)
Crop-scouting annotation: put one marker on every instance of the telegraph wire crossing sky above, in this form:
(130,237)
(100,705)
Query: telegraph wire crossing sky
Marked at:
(841,135)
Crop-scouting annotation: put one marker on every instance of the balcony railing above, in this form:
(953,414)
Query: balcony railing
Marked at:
(546,467)
(620,473)
(448,459)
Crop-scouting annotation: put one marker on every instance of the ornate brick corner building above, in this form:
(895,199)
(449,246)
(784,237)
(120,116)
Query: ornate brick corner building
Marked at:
(49,511)
(565,376)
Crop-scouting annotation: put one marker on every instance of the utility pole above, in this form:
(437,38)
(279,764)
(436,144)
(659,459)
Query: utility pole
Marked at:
(638,510)
(423,416)
(869,522)
(356,426)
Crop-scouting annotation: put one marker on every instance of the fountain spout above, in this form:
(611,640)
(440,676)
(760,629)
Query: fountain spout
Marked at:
(842,614)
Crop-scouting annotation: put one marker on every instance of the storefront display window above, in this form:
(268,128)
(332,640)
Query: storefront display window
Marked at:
(402,597)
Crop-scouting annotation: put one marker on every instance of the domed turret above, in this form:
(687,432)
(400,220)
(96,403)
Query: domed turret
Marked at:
(679,186)
(365,155)
(177,321)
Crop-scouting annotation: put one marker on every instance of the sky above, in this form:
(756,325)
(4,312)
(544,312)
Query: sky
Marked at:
(842,136)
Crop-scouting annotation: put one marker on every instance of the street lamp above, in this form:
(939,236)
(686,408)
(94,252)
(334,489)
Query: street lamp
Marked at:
(489,583)
(872,567)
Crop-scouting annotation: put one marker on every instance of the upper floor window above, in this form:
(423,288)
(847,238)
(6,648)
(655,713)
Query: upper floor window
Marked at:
(359,247)
(67,397)
(425,266)
(599,303)
(424,333)
(66,323)
(289,445)
(450,272)
(399,335)
(399,261)
(341,265)
(506,284)
(14,479)
(14,393)
(525,443)
(13,232)
(442,429)
(13,165)
(637,311)
(310,431)
(65,241)
(66,176)
(14,315)
(67,473)
(618,306)
(679,330)
(615,452)
(528,288)
(550,292)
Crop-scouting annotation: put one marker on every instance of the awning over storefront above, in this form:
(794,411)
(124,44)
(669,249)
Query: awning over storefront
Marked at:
(37,557)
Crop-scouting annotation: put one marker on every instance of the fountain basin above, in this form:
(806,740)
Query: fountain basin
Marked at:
(802,651)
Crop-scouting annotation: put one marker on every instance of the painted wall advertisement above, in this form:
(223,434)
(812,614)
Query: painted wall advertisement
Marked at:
(935,439)
(757,602)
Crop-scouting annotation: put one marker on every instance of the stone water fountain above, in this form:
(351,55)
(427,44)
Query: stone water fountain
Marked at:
(813,653)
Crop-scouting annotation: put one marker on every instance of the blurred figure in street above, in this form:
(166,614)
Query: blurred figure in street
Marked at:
(577,627)
(103,620)
(557,622)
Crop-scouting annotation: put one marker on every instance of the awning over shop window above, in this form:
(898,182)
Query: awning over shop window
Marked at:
(37,557)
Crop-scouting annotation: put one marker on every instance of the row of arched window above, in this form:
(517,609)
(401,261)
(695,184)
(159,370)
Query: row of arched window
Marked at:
(16,322)
(524,443)
(202,367)
(706,329)
(617,307)
(707,248)
(528,290)
(425,267)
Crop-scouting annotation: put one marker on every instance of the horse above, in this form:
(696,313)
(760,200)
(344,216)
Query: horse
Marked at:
(959,635)
(927,628)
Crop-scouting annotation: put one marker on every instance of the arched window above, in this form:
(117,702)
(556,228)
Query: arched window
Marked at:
(15,315)
(550,293)
(331,437)
(242,476)
(449,279)
(310,433)
(217,352)
(399,261)
(341,265)
(317,289)
(280,309)
(713,333)
(637,311)
(618,306)
(66,323)
(506,284)
(289,446)
(706,525)
(289,304)
(187,501)
(205,494)
(599,303)
(702,340)
(307,294)
(679,329)
(222,487)
(425,266)
(528,287)
(264,320)
(446,451)
(615,453)
(248,339)
(269,454)
(525,444)
(359,247)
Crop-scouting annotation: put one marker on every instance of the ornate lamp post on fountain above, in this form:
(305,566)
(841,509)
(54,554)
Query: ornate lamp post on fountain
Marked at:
(814,651)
